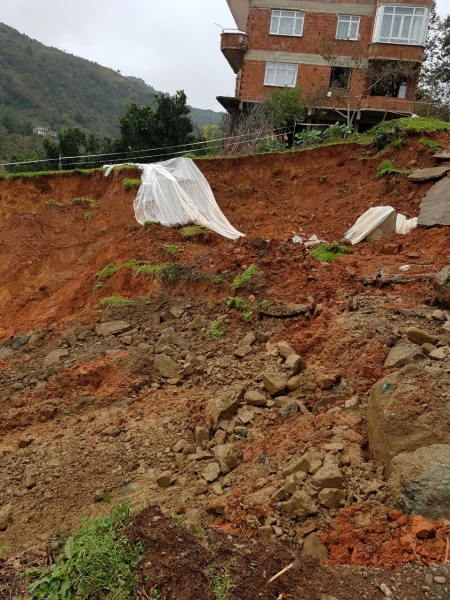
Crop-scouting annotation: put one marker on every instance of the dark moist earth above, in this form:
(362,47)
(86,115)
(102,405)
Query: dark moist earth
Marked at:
(184,566)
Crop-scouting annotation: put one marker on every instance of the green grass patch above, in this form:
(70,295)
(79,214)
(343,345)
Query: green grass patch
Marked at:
(50,203)
(244,277)
(107,271)
(329,252)
(172,251)
(222,581)
(236,301)
(129,184)
(88,216)
(85,202)
(215,332)
(387,168)
(421,124)
(115,301)
(147,224)
(431,144)
(96,562)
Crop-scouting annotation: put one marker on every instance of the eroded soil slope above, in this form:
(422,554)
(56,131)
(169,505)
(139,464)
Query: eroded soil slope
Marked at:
(243,420)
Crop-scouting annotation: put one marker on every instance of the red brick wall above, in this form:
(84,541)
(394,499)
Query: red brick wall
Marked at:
(317,27)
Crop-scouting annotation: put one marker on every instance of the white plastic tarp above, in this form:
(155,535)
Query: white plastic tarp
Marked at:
(373,218)
(174,193)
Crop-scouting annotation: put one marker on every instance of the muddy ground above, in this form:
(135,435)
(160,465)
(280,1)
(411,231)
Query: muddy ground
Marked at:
(146,403)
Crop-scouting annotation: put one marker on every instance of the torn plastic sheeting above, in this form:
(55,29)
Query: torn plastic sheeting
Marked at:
(174,193)
(374,218)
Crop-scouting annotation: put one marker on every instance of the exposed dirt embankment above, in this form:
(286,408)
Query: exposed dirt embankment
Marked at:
(230,416)
(51,253)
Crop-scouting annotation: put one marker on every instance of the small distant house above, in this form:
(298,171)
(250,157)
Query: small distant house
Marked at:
(45,132)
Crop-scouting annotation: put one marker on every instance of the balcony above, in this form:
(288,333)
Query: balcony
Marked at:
(234,45)
(396,52)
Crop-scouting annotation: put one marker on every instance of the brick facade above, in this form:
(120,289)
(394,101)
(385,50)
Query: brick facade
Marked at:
(319,27)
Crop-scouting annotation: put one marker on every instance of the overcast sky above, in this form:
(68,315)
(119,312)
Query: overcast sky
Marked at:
(171,44)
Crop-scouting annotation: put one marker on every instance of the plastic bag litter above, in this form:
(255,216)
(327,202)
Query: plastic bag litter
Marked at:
(174,193)
(404,268)
(373,218)
(405,225)
(297,239)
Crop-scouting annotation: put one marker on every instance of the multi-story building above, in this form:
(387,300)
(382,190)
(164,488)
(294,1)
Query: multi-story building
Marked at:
(332,49)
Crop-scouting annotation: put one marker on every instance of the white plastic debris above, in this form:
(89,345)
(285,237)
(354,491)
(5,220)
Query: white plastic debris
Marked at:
(404,268)
(405,225)
(174,193)
(374,218)
(313,241)
(297,240)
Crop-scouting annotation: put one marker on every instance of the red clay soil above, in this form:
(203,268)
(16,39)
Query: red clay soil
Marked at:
(50,254)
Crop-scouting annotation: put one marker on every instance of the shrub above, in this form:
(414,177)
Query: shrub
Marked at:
(387,168)
(96,562)
(238,302)
(271,146)
(85,202)
(215,332)
(107,271)
(129,184)
(115,301)
(308,139)
(329,252)
(244,277)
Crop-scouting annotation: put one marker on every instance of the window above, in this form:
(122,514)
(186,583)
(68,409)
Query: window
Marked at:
(393,88)
(281,74)
(401,25)
(347,27)
(340,77)
(286,22)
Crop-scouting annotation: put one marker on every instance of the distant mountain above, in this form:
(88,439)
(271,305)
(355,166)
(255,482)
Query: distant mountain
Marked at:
(40,85)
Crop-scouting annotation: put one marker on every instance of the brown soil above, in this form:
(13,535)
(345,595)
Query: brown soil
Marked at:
(102,420)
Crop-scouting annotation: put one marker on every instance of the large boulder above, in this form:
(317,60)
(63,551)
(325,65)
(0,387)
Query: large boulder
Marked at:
(442,286)
(166,367)
(223,407)
(275,383)
(420,481)
(407,410)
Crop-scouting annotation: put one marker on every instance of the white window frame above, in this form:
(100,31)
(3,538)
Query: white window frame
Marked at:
(276,68)
(297,18)
(392,21)
(350,21)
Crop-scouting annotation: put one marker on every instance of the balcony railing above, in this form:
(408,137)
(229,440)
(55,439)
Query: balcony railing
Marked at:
(234,45)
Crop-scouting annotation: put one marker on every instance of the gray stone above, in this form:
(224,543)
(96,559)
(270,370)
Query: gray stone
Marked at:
(419,336)
(227,455)
(396,422)
(201,435)
(404,354)
(331,497)
(438,354)
(296,464)
(312,546)
(176,311)
(285,349)
(435,207)
(164,349)
(199,322)
(243,351)
(429,174)
(280,401)
(112,328)
(255,398)
(223,408)
(178,447)
(294,482)
(248,340)
(419,481)
(5,516)
(166,367)
(211,473)
(258,498)
(295,364)
(289,409)
(111,431)
(54,357)
(353,402)
(442,286)
(21,341)
(275,383)
(299,505)
(328,476)
(164,479)
(294,383)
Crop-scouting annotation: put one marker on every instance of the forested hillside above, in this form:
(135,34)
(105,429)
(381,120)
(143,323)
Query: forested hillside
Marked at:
(40,85)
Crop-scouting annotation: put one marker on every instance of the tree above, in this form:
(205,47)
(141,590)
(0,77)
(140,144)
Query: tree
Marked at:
(434,83)
(145,128)
(285,107)
(355,73)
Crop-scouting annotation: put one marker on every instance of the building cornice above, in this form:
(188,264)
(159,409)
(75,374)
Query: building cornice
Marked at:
(337,8)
